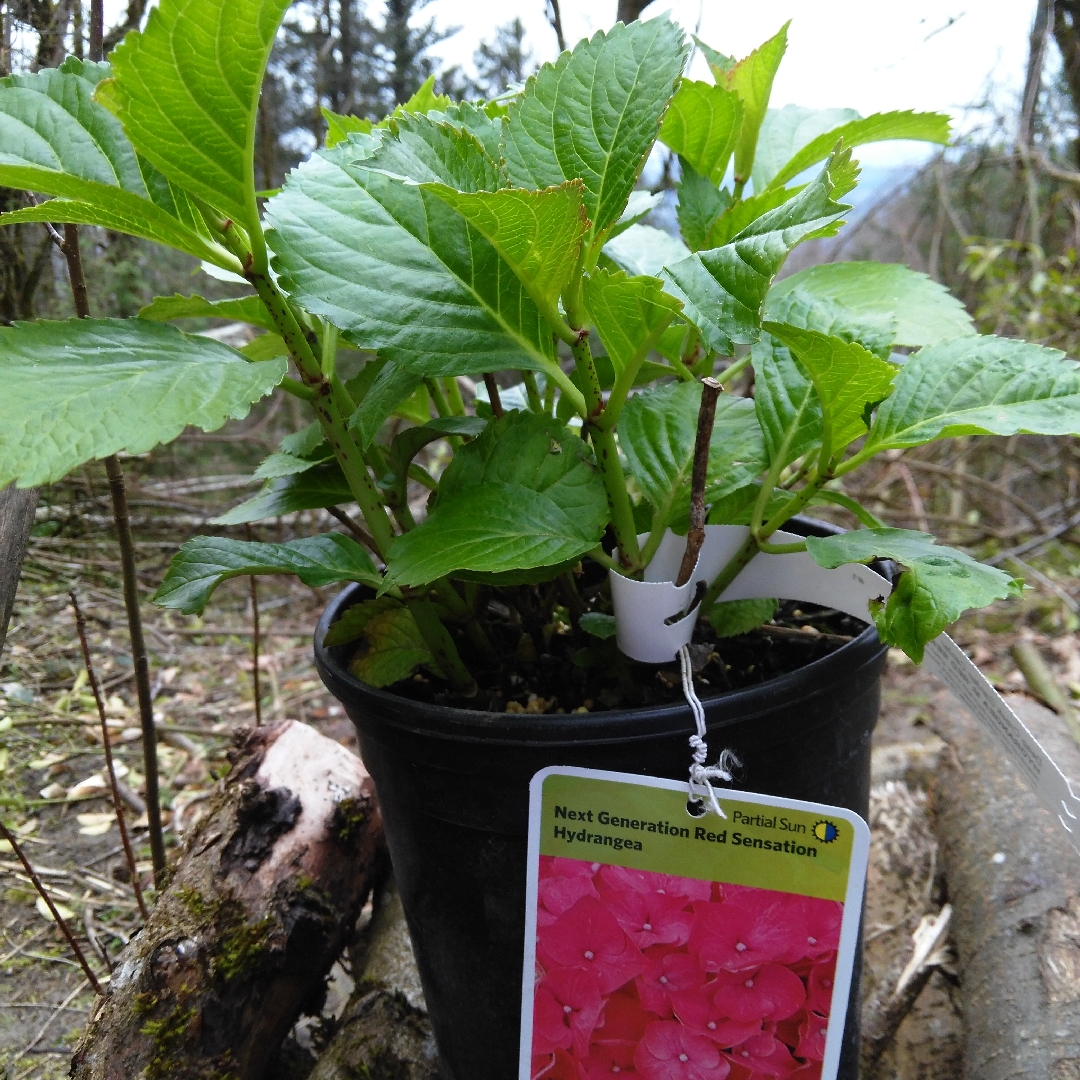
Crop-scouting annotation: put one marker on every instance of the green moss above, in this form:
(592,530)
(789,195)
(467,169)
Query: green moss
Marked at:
(168,1035)
(349,816)
(241,943)
(144,1003)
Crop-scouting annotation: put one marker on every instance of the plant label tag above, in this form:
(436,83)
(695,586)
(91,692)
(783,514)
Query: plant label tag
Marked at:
(666,946)
(945,659)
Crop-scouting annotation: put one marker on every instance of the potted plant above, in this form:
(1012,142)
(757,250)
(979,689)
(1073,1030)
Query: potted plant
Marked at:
(469,240)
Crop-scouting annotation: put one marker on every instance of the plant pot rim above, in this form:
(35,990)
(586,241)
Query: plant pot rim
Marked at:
(645,722)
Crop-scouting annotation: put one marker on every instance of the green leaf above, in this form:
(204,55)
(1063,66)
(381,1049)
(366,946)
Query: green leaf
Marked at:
(978,386)
(392,386)
(278,464)
(265,347)
(925,127)
(339,127)
(630,314)
(305,442)
(702,125)
(657,431)
(849,380)
(738,216)
(314,489)
(202,564)
(642,250)
(187,92)
(248,309)
(730,618)
(924,311)
(538,233)
(752,79)
(595,114)
(88,388)
(55,139)
(524,494)
(875,330)
(788,408)
(786,131)
(598,624)
(737,507)
(938,586)
(723,289)
(486,128)
(400,271)
(392,645)
(701,203)
(424,100)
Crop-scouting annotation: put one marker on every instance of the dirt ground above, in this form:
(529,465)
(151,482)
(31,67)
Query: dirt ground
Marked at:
(51,761)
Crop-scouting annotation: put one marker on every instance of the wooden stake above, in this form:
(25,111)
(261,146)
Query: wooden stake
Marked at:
(710,391)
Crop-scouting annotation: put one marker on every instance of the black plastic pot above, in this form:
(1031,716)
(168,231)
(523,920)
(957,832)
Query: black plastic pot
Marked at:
(453,786)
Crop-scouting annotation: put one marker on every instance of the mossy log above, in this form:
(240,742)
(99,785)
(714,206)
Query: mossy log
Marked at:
(384,1032)
(264,896)
(1014,883)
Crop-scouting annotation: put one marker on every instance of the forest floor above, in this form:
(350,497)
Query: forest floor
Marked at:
(51,761)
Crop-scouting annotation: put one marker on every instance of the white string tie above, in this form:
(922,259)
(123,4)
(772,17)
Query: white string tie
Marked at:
(701,774)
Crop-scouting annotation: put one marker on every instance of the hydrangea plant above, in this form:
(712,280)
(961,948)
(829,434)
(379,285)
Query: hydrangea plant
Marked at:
(480,238)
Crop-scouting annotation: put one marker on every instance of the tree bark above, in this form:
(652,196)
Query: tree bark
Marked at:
(1014,882)
(384,1030)
(1040,36)
(267,891)
(1067,36)
(16,519)
(629,10)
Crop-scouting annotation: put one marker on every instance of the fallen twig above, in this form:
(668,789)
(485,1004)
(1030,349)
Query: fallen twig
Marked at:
(80,625)
(9,836)
(887,1015)
(1041,682)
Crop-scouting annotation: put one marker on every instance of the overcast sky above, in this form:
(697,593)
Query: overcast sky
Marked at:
(860,54)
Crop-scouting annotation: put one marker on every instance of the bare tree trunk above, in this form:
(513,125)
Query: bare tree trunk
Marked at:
(629,10)
(265,896)
(1040,36)
(555,18)
(1067,36)
(16,518)
(132,18)
(1014,883)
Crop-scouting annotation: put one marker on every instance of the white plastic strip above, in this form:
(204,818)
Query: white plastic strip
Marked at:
(945,659)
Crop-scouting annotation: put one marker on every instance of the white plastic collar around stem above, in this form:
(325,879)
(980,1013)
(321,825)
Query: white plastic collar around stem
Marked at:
(642,607)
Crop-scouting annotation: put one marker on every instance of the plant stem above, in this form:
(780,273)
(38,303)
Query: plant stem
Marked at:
(438,397)
(732,370)
(738,562)
(442,645)
(95,687)
(695,537)
(533,391)
(549,397)
(493,395)
(130,578)
(598,554)
(118,493)
(353,527)
(453,395)
(31,873)
(607,455)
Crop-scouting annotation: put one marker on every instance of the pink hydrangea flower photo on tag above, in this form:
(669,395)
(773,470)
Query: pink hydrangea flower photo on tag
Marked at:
(670,978)
(635,971)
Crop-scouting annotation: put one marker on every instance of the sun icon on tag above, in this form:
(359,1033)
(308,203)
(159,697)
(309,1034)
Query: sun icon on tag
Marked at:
(825,831)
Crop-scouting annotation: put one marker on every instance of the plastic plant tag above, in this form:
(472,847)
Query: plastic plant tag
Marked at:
(672,947)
